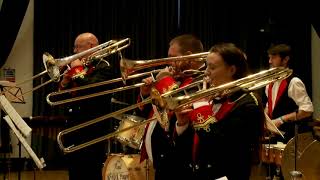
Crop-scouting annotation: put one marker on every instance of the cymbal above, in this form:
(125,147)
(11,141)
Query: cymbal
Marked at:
(310,161)
(288,159)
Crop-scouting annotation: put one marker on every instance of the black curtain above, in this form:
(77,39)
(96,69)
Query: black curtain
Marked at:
(253,28)
(149,24)
(152,23)
(11,16)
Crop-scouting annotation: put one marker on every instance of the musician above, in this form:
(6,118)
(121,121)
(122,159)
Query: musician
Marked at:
(225,133)
(86,163)
(157,145)
(288,100)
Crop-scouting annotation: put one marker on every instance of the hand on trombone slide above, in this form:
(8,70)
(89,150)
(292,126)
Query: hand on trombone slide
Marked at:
(76,69)
(146,89)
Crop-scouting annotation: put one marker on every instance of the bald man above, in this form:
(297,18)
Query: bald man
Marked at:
(86,163)
(82,43)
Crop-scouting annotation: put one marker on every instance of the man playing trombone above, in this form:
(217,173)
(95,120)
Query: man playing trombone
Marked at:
(157,144)
(86,163)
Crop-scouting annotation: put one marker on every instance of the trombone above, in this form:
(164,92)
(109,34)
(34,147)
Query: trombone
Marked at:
(249,83)
(56,93)
(170,100)
(128,66)
(133,66)
(98,52)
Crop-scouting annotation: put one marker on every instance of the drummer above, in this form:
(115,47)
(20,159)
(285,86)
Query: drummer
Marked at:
(288,100)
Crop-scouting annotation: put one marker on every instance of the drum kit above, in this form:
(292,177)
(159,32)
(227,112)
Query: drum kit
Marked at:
(128,166)
(119,166)
(131,130)
(298,159)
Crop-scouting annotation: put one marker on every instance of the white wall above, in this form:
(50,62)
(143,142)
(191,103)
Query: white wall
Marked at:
(21,59)
(315,55)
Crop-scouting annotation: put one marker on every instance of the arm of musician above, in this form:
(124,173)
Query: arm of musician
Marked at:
(65,82)
(167,71)
(183,120)
(145,90)
(266,109)
(295,116)
(183,116)
(298,93)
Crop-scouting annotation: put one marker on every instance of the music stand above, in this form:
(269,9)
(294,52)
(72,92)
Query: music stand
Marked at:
(12,92)
(14,95)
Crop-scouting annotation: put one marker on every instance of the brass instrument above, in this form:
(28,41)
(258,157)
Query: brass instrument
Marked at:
(249,83)
(98,52)
(149,63)
(128,67)
(53,94)
(170,100)
(52,65)
(105,92)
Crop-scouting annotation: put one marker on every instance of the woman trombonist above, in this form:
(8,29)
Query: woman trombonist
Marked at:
(224,133)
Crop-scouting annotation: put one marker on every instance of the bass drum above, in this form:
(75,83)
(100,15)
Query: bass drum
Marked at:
(288,159)
(127,167)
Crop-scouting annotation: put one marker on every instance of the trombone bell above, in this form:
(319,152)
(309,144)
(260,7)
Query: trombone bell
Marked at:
(50,65)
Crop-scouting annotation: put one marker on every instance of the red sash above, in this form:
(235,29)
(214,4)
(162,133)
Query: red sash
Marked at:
(282,88)
(143,151)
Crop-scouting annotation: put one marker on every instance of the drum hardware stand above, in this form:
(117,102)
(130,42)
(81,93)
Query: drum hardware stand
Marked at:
(147,169)
(109,148)
(295,175)
(269,164)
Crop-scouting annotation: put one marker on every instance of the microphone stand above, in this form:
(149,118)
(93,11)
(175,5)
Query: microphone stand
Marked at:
(295,175)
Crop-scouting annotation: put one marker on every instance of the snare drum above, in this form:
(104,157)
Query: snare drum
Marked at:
(127,167)
(132,137)
(272,153)
(278,150)
(267,153)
